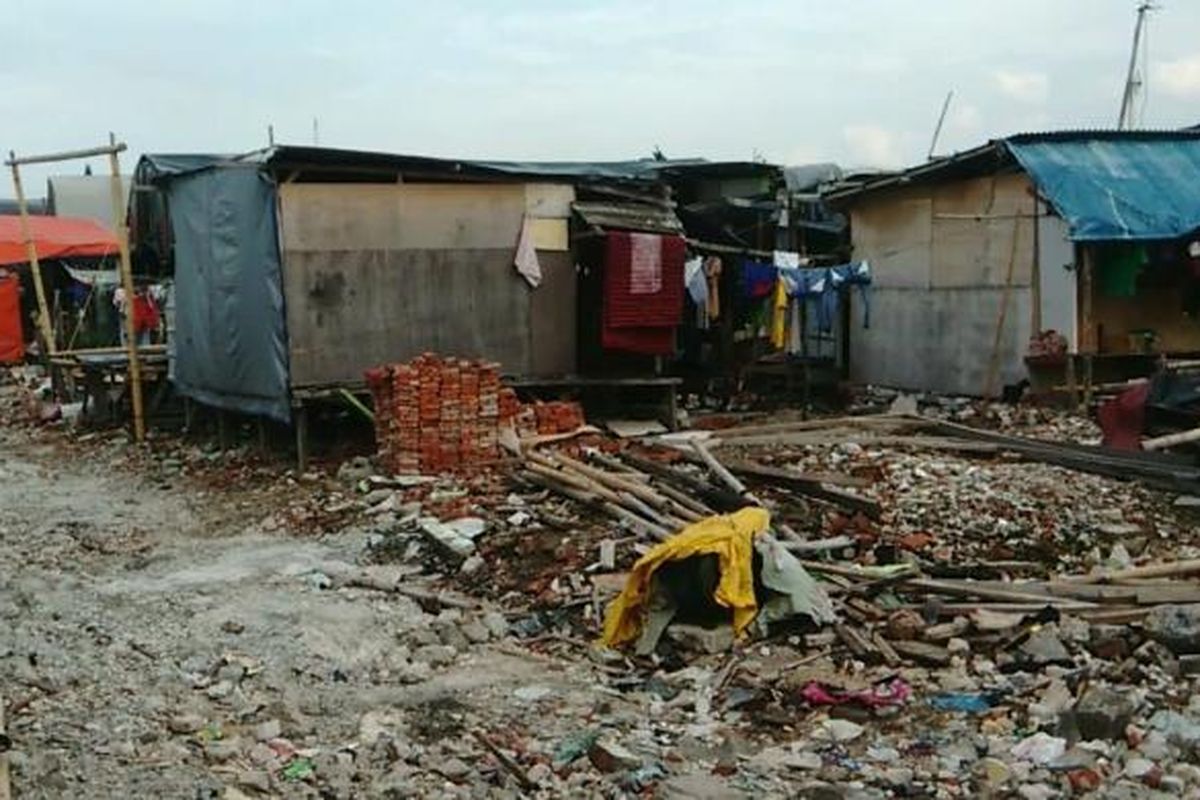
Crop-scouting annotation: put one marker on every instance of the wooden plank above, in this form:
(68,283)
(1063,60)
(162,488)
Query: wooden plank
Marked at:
(351,310)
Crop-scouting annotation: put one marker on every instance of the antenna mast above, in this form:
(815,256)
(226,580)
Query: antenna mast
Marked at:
(1133,78)
(937,131)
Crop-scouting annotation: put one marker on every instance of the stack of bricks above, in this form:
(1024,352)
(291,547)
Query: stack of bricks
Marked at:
(438,414)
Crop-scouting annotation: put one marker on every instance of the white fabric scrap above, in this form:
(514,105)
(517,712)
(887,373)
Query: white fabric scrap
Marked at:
(645,265)
(785,259)
(695,280)
(526,260)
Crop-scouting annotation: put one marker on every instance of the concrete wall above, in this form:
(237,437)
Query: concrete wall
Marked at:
(942,256)
(376,273)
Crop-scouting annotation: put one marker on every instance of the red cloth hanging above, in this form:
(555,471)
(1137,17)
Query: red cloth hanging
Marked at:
(636,320)
(145,314)
(12,342)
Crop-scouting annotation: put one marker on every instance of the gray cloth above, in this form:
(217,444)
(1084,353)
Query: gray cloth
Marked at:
(230,347)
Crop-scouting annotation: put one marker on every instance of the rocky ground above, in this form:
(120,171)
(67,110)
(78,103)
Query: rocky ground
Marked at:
(178,622)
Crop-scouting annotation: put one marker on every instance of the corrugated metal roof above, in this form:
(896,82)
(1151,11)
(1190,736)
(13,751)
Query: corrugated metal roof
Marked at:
(643,171)
(629,216)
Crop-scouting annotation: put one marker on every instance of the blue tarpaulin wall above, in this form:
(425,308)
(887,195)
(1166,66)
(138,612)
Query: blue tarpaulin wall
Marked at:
(1119,188)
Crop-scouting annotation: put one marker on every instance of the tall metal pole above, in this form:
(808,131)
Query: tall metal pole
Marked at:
(120,213)
(1132,80)
(937,132)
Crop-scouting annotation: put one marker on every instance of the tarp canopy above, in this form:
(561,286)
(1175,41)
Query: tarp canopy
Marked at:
(1117,187)
(12,343)
(55,237)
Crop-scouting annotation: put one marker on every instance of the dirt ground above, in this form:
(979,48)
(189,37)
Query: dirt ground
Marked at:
(151,639)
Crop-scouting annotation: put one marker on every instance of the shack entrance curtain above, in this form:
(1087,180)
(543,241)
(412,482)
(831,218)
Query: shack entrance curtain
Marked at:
(230,343)
(12,345)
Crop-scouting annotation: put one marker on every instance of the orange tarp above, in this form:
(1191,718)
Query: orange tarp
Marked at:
(12,346)
(55,237)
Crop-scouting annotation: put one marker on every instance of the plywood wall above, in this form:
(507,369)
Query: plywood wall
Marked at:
(941,257)
(376,273)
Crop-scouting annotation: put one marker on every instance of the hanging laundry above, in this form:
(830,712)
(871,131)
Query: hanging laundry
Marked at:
(1120,265)
(712,271)
(779,308)
(758,278)
(526,260)
(785,259)
(694,280)
(641,322)
(645,263)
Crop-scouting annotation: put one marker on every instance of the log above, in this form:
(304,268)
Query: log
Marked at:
(642,492)
(800,484)
(719,498)
(988,592)
(818,545)
(561,483)
(1171,440)
(719,470)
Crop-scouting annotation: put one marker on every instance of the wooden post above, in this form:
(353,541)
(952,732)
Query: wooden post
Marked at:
(35,266)
(1087,329)
(122,231)
(1087,381)
(300,412)
(5,779)
(222,429)
(1035,277)
(993,369)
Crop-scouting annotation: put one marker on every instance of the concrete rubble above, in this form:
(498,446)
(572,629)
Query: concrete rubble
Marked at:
(184,622)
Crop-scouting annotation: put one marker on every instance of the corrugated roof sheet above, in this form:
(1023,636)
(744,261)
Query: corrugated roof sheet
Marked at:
(1117,188)
(629,216)
(646,170)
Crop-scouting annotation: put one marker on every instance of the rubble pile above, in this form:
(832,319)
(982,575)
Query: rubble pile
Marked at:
(933,612)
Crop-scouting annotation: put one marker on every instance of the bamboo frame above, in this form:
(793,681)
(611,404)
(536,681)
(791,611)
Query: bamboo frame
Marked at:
(112,150)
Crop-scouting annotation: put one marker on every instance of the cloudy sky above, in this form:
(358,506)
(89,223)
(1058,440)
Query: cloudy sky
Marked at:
(854,81)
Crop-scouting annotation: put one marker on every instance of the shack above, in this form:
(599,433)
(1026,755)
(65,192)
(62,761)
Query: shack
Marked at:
(1067,257)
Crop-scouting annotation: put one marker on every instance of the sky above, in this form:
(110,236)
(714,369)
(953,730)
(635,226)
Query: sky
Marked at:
(858,82)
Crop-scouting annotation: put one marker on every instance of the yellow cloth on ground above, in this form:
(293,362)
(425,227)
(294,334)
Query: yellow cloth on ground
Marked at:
(779,306)
(730,537)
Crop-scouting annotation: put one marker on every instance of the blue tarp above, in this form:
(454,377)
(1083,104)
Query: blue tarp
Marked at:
(1117,188)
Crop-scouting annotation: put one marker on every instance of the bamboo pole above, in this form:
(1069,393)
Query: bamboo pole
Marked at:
(35,266)
(110,149)
(122,231)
